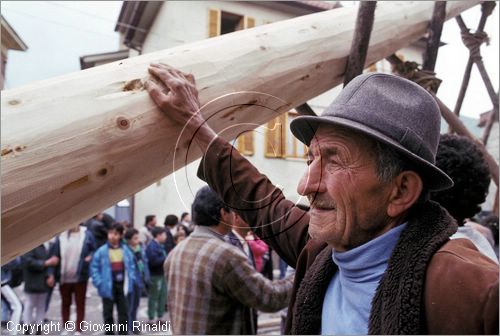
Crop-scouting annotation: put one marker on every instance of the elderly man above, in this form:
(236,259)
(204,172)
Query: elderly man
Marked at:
(373,254)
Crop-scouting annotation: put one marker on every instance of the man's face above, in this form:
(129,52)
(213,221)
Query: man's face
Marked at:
(348,201)
(227,220)
(152,223)
(240,225)
(114,237)
(187,219)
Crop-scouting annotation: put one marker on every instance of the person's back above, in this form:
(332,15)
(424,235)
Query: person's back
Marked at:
(211,284)
(205,272)
(155,252)
(98,229)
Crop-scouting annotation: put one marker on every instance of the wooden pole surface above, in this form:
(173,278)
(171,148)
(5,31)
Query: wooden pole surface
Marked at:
(361,40)
(458,126)
(76,144)
(434,36)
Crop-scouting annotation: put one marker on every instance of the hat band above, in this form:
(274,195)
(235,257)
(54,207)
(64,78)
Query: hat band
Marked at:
(414,143)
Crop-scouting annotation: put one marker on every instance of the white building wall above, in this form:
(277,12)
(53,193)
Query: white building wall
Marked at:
(180,22)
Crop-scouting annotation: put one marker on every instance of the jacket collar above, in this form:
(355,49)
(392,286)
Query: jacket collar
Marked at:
(206,232)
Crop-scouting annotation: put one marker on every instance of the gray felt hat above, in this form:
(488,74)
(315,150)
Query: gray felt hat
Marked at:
(389,109)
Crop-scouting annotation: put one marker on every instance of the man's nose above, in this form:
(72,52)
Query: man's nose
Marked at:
(312,181)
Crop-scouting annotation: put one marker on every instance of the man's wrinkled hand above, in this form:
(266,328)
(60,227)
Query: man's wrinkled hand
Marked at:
(175,94)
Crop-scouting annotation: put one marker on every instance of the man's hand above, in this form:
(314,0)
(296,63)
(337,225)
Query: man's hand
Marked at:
(176,95)
(51,281)
(88,258)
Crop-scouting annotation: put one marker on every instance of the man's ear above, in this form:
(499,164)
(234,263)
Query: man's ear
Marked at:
(223,215)
(407,187)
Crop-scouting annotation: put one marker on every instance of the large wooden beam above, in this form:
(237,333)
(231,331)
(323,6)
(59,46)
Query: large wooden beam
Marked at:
(76,144)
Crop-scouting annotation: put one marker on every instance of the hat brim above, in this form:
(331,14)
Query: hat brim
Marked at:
(305,127)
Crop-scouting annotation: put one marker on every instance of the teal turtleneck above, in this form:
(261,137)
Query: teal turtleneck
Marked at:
(347,304)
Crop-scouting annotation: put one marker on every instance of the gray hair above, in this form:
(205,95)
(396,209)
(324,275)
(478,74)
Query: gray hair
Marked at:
(388,162)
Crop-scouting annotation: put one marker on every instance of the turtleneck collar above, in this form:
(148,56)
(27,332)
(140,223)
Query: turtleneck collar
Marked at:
(358,264)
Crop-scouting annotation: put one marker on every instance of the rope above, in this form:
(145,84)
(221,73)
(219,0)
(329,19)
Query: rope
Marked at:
(473,42)
(425,78)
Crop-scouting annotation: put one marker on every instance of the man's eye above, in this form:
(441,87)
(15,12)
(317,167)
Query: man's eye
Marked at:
(309,162)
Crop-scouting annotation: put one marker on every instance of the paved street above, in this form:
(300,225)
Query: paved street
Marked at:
(268,323)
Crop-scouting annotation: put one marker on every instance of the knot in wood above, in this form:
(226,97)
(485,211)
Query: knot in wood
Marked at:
(123,123)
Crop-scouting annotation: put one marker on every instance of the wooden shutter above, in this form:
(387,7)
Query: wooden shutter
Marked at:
(248,140)
(275,137)
(245,143)
(249,22)
(213,22)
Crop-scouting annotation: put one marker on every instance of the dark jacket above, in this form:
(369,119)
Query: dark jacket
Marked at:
(232,239)
(88,249)
(99,230)
(34,271)
(432,285)
(169,242)
(156,257)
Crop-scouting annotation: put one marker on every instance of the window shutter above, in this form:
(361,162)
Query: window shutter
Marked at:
(213,22)
(245,143)
(275,137)
(248,140)
(249,22)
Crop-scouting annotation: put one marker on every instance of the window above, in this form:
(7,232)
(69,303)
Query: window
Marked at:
(221,22)
(280,142)
(275,137)
(230,23)
(244,143)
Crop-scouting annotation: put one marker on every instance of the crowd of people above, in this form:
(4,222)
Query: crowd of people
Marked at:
(123,263)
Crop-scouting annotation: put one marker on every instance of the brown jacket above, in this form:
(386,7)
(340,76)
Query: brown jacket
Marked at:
(432,285)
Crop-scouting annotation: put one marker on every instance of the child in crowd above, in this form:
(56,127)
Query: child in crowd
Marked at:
(143,277)
(155,252)
(114,275)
